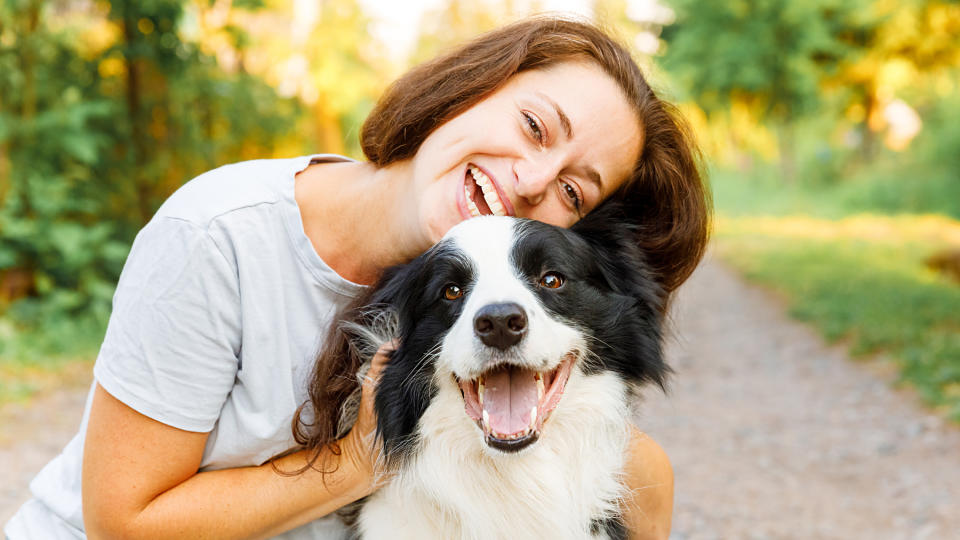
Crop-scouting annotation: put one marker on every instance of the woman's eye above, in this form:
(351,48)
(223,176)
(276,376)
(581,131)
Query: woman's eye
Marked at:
(534,127)
(571,193)
(452,292)
(551,280)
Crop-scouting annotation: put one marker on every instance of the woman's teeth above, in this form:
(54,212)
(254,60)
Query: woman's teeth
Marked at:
(490,195)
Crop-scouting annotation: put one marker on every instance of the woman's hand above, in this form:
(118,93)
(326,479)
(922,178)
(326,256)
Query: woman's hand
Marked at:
(359,445)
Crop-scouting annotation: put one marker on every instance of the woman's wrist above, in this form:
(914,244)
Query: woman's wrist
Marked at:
(358,454)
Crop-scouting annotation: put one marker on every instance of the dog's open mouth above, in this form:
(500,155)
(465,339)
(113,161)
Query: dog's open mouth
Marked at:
(511,403)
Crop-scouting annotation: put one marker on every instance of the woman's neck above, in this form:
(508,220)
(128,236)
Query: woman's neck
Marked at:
(359,217)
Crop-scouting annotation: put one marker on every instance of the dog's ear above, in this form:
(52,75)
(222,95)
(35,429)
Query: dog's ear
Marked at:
(635,343)
(396,286)
(403,395)
(612,238)
(406,383)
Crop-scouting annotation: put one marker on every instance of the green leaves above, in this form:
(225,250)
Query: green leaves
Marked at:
(769,53)
(100,120)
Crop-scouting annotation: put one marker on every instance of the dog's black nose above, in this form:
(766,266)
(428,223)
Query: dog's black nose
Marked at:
(500,325)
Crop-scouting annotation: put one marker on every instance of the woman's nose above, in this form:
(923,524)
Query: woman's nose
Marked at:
(533,180)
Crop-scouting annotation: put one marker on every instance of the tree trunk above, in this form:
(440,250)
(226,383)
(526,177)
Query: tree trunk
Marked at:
(868,144)
(133,95)
(28,105)
(788,155)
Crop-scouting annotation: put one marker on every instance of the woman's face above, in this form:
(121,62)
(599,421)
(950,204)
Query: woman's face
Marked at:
(549,145)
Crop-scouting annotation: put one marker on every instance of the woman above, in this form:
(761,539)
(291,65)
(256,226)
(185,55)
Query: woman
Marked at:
(228,289)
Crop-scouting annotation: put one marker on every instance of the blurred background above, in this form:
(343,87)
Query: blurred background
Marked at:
(830,129)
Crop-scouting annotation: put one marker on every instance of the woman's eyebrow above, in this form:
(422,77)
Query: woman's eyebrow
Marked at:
(594,177)
(590,172)
(564,119)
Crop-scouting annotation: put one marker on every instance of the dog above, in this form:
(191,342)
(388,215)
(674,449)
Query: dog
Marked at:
(505,410)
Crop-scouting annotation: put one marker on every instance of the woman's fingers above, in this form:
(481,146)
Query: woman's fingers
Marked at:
(372,377)
(360,441)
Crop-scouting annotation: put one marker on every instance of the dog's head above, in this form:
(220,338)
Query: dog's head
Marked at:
(506,309)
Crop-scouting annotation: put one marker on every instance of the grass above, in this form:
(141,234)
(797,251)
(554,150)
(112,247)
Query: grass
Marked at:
(862,279)
(37,360)
(21,381)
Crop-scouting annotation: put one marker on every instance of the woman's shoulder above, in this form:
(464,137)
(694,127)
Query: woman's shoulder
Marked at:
(234,187)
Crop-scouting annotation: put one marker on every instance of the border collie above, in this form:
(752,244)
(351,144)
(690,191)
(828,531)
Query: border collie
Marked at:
(505,411)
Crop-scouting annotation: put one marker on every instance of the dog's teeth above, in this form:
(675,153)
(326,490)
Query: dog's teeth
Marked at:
(480,392)
(533,416)
(540,388)
(486,419)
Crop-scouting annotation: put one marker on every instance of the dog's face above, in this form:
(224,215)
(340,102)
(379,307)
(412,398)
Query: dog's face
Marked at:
(506,309)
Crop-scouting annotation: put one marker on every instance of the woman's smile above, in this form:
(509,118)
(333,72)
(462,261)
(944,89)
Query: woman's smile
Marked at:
(483,196)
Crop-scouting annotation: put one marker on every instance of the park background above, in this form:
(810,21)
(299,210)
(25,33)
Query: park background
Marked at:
(830,131)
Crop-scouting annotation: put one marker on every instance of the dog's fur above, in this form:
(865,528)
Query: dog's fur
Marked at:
(453,476)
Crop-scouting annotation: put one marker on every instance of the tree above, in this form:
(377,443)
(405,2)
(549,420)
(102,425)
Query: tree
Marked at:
(97,127)
(770,55)
(907,42)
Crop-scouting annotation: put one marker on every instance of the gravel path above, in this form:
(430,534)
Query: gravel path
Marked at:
(772,433)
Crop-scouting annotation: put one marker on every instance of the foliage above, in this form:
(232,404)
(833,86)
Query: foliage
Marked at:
(863,280)
(923,179)
(99,123)
(768,64)
(769,55)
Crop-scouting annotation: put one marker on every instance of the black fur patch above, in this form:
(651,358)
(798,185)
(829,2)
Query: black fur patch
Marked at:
(416,292)
(612,528)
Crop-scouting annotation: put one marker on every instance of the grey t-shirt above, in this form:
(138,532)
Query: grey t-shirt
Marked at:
(217,318)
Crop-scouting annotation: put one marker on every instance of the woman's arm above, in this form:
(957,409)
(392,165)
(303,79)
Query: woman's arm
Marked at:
(140,478)
(649,505)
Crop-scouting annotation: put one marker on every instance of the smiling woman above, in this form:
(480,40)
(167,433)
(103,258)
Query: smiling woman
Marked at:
(232,286)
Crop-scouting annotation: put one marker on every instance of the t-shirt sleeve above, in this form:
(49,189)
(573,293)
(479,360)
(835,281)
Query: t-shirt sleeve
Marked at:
(173,341)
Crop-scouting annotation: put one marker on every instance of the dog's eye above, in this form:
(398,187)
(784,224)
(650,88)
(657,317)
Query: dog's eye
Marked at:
(452,292)
(551,280)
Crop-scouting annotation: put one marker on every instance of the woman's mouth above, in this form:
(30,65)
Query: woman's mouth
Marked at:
(481,194)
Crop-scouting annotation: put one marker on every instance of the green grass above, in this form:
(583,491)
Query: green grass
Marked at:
(35,360)
(862,279)
(877,191)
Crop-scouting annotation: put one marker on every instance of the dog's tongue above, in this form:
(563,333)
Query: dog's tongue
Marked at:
(509,395)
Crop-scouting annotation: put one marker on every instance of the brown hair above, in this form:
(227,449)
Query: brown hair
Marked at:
(665,196)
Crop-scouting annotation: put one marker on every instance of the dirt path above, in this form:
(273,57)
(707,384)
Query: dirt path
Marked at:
(30,436)
(772,434)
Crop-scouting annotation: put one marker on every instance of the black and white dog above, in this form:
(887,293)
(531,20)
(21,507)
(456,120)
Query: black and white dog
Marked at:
(505,412)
